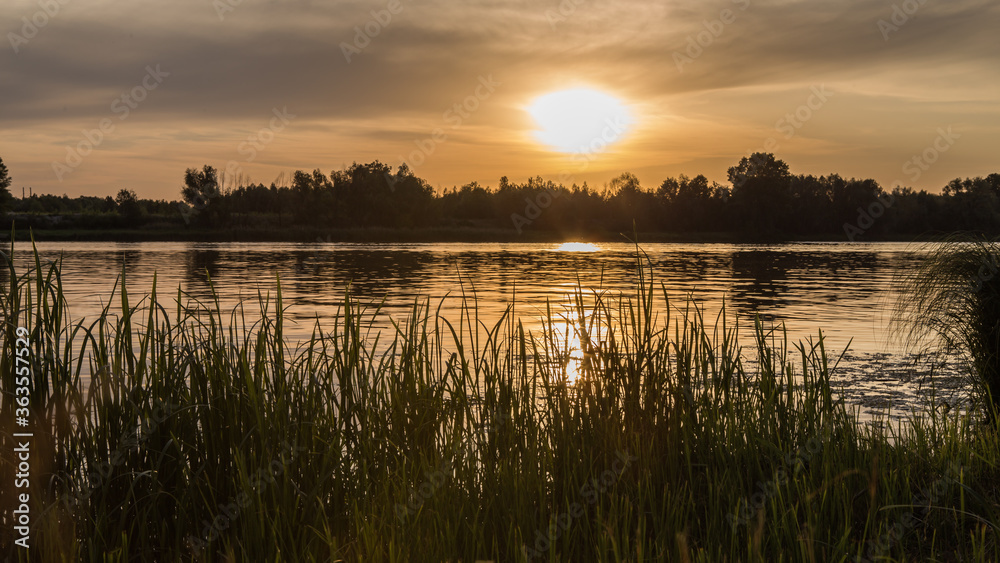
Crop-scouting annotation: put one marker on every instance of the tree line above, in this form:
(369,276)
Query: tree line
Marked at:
(762,198)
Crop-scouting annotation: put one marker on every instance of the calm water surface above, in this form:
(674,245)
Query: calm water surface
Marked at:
(843,289)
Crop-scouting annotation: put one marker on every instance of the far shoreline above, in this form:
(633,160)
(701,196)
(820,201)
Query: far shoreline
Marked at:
(426,235)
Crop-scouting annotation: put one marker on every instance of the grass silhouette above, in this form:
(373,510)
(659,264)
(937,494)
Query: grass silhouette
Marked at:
(204,435)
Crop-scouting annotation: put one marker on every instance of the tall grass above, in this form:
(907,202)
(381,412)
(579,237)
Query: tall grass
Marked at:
(953,297)
(204,435)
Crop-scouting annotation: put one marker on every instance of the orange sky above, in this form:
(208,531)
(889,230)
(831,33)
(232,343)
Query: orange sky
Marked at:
(857,87)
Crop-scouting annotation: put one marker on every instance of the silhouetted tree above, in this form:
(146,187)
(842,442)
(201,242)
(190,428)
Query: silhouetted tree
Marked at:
(761,192)
(5,181)
(128,206)
(469,206)
(975,202)
(764,198)
(631,204)
(201,191)
(200,186)
(371,195)
(314,199)
(687,203)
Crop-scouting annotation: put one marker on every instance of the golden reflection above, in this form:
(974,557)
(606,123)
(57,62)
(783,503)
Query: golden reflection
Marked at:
(577,247)
(577,345)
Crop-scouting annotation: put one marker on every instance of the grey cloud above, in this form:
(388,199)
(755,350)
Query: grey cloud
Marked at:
(288,53)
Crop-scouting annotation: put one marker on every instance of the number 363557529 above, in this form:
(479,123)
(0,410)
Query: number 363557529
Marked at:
(22,382)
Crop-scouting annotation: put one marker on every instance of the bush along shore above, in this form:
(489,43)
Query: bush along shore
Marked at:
(169,429)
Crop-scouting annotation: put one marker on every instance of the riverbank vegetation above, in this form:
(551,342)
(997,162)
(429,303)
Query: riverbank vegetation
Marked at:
(762,200)
(204,434)
(954,297)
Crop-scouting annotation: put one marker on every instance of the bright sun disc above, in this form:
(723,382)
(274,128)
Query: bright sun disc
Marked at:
(580,120)
(577,247)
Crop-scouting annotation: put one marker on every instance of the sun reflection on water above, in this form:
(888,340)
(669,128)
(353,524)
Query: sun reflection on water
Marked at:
(576,344)
(577,247)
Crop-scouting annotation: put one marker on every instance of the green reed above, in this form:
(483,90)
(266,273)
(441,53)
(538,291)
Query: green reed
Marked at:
(205,435)
(954,297)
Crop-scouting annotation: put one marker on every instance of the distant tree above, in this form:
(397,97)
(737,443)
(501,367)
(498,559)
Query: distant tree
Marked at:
(625,184)
(668,189)
(762,192)
(5,181)
(128,206)
(694,189)
(371,195)
(631,205)
(126,198)
(471,203)
(757,166)
(811,205)
(973,203)
(314,198)
(201,188)
(688,204)
(994,182)
(692,202)
(505,184)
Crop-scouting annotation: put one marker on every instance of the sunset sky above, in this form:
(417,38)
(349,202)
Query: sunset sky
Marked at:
(685,87)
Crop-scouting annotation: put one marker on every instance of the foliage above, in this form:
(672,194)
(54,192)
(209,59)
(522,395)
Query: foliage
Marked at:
(200,186)
(761,191)
(128,205)
(763,199)
(5,181)
(955,296)
(204,197)
(204,435)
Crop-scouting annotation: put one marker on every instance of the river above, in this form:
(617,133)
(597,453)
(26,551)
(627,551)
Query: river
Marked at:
(843,289)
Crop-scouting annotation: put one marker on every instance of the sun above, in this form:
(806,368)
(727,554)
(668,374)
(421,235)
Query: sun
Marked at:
(581,120)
